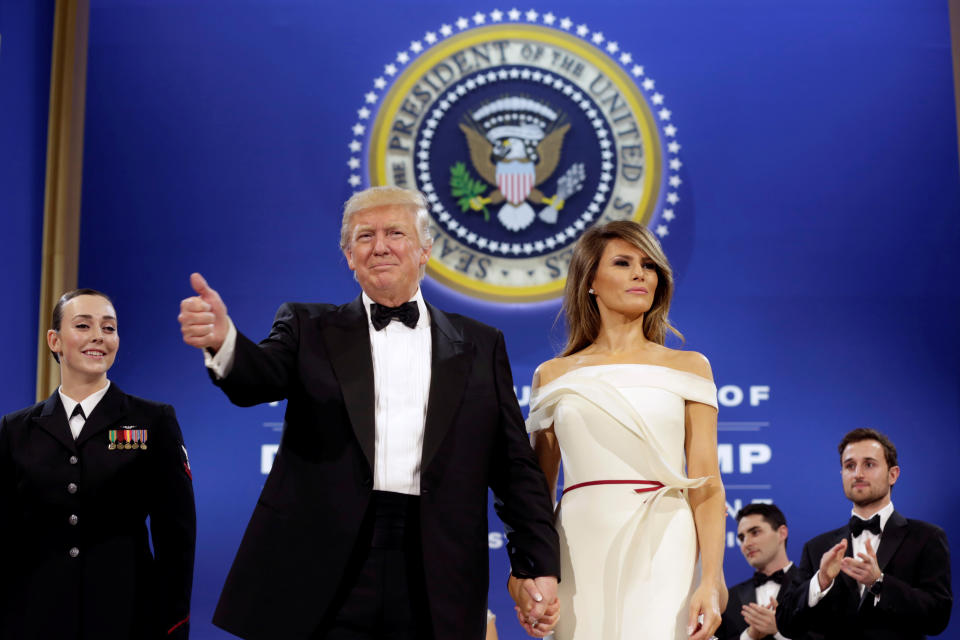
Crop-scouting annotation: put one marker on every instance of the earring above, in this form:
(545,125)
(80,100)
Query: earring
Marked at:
(591,291)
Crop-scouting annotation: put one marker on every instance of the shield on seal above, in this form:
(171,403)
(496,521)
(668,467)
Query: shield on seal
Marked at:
(515,180)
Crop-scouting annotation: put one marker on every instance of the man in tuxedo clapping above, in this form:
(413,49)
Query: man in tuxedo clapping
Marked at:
(880,576)
(751,610)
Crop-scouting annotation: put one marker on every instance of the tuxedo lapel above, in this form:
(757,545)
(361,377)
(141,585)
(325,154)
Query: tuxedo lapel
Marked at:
(347,338)
(450,366)
(53,420)
(790,576)
(108,412)
(893,535)
(748,594)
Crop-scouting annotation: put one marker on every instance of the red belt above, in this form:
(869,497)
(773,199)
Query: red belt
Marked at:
(651,485)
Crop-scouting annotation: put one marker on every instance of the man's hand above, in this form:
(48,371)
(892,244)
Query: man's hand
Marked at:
(203,317)
(830,564)
(762,620)
(538,609)
(864,568)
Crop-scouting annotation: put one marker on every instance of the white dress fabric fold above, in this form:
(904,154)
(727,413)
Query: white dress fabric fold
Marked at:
(628,558)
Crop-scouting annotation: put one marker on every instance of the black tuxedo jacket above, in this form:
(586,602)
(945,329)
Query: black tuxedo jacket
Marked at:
(75,562)
(916,597)
(302,531)
(733,624)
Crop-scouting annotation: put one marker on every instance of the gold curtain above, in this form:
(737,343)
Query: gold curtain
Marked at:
(61,209)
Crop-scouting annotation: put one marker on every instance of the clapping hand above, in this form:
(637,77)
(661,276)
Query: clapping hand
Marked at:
(830,564)
(864,568)
(762,620)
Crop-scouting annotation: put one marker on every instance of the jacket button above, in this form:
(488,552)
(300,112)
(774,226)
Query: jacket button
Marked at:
(72,487)
(74,459)
(72,519)
(74,552)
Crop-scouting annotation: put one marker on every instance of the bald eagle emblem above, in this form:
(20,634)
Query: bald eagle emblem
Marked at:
(515,144)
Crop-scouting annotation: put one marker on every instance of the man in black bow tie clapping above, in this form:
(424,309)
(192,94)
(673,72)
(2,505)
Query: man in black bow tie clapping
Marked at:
(373,520)
(751,610)
(881,576)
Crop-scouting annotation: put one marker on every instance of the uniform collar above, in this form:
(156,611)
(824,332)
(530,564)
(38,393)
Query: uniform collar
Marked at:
(88,403)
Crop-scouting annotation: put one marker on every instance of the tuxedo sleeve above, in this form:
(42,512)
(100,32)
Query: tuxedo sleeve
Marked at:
(923,604)
(263,372)
(795,617)
(521,495)
(173,525)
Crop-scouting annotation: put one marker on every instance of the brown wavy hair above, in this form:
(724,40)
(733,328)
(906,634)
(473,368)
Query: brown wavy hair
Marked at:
(580,307)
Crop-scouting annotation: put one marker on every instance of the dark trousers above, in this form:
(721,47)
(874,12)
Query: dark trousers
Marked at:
(383,594)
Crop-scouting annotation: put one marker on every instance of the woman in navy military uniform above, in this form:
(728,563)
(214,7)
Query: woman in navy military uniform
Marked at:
(79,474)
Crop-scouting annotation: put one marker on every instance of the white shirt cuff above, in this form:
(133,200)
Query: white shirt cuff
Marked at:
(222,362)
(780,636)
(816,595)
(745,635)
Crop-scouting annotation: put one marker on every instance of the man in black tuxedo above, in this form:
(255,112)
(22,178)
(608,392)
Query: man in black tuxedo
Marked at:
(751,609)
(880,576)
(372,522)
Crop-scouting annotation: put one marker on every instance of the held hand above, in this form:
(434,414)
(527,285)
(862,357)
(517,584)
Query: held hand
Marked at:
(544,626)
(704,612)
(537,605)
(203,317)
(762,620)
(830,564)
(864,568)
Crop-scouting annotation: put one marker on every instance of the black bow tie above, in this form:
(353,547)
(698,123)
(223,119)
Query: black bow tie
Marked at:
(859,525)
(761,578)
(78,411)
(381,315)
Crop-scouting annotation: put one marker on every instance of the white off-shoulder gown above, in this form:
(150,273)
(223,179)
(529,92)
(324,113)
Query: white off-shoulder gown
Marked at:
(628,559)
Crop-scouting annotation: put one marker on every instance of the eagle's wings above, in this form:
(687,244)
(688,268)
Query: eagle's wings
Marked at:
(480,150)
(549,152)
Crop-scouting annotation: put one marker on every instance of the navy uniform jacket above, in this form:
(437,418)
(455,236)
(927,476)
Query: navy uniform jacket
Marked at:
(293,555)
(915,600)
(74,551)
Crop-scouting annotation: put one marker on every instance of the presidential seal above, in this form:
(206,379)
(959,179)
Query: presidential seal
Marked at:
(521,136)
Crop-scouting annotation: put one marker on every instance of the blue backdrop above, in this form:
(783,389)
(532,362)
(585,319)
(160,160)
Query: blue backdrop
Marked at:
(814,234)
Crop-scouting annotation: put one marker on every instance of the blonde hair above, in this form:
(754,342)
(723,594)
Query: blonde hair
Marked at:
(386,196)
(580,307)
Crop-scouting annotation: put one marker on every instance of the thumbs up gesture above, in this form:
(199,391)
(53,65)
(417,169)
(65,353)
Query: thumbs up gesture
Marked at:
(203,317)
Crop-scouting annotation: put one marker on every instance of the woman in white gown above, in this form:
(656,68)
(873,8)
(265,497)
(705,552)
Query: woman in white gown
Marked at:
(635,424)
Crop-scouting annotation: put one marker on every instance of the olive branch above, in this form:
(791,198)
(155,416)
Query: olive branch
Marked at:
(465,188)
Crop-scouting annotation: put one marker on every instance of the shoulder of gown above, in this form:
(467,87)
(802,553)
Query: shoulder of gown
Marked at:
(584,380)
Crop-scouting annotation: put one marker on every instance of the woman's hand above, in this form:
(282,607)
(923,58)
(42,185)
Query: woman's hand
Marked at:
(704,602)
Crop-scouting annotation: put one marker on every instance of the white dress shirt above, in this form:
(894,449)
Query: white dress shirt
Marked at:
(769,589)
(89,403)
(859,546)
(401,381)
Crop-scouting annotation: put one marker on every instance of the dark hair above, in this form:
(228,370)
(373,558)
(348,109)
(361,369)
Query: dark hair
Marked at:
(769,512)
(859,435)
(56,318)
